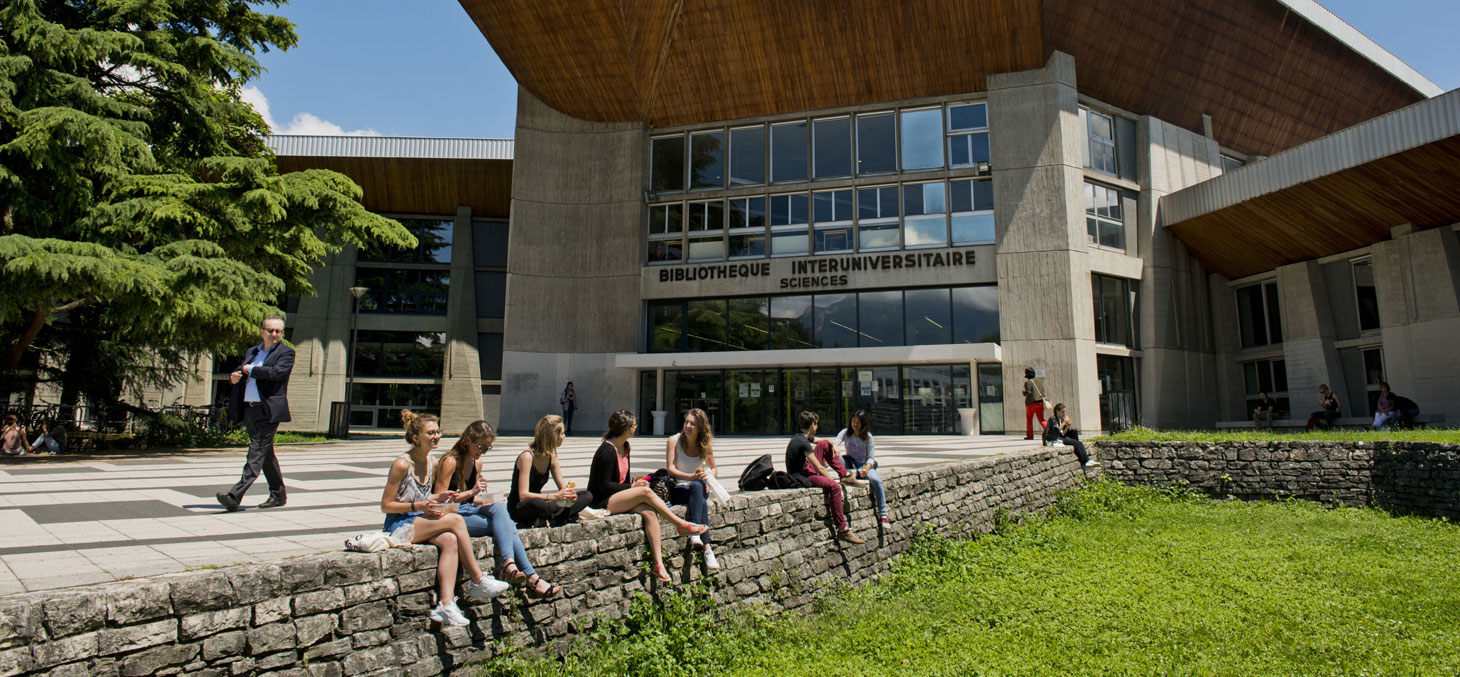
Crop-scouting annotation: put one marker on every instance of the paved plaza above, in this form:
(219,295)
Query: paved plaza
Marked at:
(73,522)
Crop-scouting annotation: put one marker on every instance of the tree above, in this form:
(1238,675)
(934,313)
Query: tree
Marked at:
(139,205)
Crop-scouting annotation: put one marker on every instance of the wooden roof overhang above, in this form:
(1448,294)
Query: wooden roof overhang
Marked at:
(421,186)
(1336,194)
(1269,77)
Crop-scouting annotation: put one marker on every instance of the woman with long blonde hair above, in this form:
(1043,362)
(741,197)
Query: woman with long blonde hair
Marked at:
(690,458)
(411,508)
(530,474)
(460,471)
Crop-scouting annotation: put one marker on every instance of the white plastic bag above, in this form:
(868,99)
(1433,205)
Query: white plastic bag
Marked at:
(717,490)
(404,534)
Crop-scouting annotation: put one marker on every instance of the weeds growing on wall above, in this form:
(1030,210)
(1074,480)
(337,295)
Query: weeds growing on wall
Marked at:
(1139,434)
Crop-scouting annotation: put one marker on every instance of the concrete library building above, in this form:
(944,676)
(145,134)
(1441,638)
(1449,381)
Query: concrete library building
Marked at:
(762,208)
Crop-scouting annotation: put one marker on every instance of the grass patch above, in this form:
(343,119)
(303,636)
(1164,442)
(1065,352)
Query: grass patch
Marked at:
(1118,580)
(1139,434)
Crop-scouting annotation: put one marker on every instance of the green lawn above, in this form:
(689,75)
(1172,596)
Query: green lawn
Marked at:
(1123,580)
(1138,434)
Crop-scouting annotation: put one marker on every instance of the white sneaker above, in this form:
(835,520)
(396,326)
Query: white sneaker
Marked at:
(696,541)
(448,613)
(486,588)
(1091,462)
(710,561)
(1058,444)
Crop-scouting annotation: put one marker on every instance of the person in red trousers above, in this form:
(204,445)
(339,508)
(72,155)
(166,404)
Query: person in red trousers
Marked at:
(1033,403)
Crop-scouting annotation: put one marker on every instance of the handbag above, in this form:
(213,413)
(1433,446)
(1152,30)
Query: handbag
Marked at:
(1043,401)
(662,483)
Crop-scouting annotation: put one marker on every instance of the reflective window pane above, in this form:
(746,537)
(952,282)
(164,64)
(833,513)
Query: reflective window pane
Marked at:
(749,323)
(666,171)
(876,144)
(433,244)
(706,325)
(968,117)
(788,151)
(929,321)
(836,320)
(789,243)
(707,159)
(747,246)
(791,322)
(747,156)
(706,248)
(661,251)
(922,139)
(833,147)
(747,213)
(666,326)
(879,315)
(833,239)
(877,236)
(973,228)
(976,314)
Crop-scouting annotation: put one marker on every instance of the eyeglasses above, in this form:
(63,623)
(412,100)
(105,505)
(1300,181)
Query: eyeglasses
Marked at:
(273,331)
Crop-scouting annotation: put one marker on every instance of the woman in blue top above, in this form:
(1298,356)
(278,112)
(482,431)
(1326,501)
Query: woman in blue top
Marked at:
(859,452)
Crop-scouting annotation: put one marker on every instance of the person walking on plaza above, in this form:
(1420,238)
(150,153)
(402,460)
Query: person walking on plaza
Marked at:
(569,400)
(1033,403)
(693,470)
(819,465)
(260,401)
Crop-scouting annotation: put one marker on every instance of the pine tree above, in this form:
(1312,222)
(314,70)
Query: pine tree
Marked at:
(136,193)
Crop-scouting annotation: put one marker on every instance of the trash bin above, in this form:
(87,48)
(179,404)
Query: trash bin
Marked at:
(339,420)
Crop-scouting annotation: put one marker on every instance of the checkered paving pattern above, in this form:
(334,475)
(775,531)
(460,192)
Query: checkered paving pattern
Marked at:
(74,522)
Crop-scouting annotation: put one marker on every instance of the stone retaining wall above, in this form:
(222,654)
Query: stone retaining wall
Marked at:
(352,613)
(1411,477)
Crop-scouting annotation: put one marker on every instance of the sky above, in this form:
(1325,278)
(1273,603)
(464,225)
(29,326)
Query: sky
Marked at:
(421,67)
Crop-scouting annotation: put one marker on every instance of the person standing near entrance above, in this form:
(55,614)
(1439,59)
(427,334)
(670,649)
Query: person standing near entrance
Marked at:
(569,401)
(1033,403)
(260,401)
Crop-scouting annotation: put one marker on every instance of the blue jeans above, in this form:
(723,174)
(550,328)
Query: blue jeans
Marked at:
(493,519)
(873,479)
(692,494)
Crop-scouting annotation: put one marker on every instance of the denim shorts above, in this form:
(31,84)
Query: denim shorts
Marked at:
(394,520)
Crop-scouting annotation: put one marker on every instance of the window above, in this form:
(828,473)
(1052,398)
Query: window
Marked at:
(410,292)
(968,135)
(1100,141)
(929,319)
(1116,312)
(832,214)
(1366,294)
(666,233)
(788,151)
(706,222)
(877,211)
(666,164)
(433,244)
(832,147)
(747,228)
(976,314)
(922,139)
(1266,376)
(1373,376)
(788,225)
(491,293)
(972,203)
(399,353)
(489,356)
(791,323)
(876,143)
(747,156)
(1258,315)
(378,405)
(707,159)
(836,320)
(705,325)
(749,323)
(1230,163)
(1103,220)
(879,315)
(489,243)
(666,326)
(925,210)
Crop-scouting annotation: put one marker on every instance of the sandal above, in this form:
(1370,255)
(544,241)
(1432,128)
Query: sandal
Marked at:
(662,574)
(511,574)
(692,529)
(533,588)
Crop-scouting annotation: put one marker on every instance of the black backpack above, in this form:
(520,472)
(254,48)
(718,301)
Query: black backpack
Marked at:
(781,479)
(756,474)
(1052,432)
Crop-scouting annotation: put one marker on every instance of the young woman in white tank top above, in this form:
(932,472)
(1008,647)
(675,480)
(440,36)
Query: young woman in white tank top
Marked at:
(692,470)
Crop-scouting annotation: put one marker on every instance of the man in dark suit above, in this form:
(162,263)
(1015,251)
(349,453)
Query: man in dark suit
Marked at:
(260,400)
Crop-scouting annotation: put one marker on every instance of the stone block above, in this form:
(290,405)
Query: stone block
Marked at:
(301,574)
(137,601)
(133,637)
(155,659)
(370,591)
(338,647)
(346,568)
(270,638)
(309,603)
(256,582)
(224,644)
(369,638)
(201,591)
(72,613)
(312,629)
(420,580)
(16,661)
(397,561)
(365,617)
(207,623)
(277,660)
(272,610)
(21,619)
(330,669)
(65,650)
(370,660)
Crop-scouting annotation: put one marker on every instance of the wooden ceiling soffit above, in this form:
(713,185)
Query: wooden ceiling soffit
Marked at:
(432,186)
(1329,215)
(671,62)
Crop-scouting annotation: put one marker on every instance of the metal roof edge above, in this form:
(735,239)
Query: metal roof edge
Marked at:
(1416,125)
(1321,17)
(435,148)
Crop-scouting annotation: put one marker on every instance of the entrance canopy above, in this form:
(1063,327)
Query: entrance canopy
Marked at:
(940,354)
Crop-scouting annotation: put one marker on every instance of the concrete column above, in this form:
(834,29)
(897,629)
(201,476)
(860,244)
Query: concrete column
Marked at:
(1046,318)
(576,241)
(321,331)
(1228,391)
(461,380)
(1417,277)
(1308,351)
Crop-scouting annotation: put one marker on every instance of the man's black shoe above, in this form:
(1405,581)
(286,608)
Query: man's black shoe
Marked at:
(274,502)
(228,502)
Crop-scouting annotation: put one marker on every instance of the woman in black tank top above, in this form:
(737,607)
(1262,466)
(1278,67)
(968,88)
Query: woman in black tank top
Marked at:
(530,473)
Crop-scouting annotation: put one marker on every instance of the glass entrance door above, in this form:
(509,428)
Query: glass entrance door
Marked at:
(751,402)
(991,398)
(693,389)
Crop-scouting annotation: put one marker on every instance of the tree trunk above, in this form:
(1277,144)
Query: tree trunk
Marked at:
(17,351)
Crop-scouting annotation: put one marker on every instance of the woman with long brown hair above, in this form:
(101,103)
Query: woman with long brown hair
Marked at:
(530,474)
(460,471)
(609,481)
(859,455)
(410,508)
(690,458)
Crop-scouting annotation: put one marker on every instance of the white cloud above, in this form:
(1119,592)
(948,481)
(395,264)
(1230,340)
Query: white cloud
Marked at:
(303,123)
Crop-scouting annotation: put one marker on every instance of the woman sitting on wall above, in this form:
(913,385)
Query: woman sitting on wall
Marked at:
(608,481)
(859,453)
(413,514)
(1330,411)
(460,472)
(1061,432)
(14,443)
(690,458)
(530,474)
